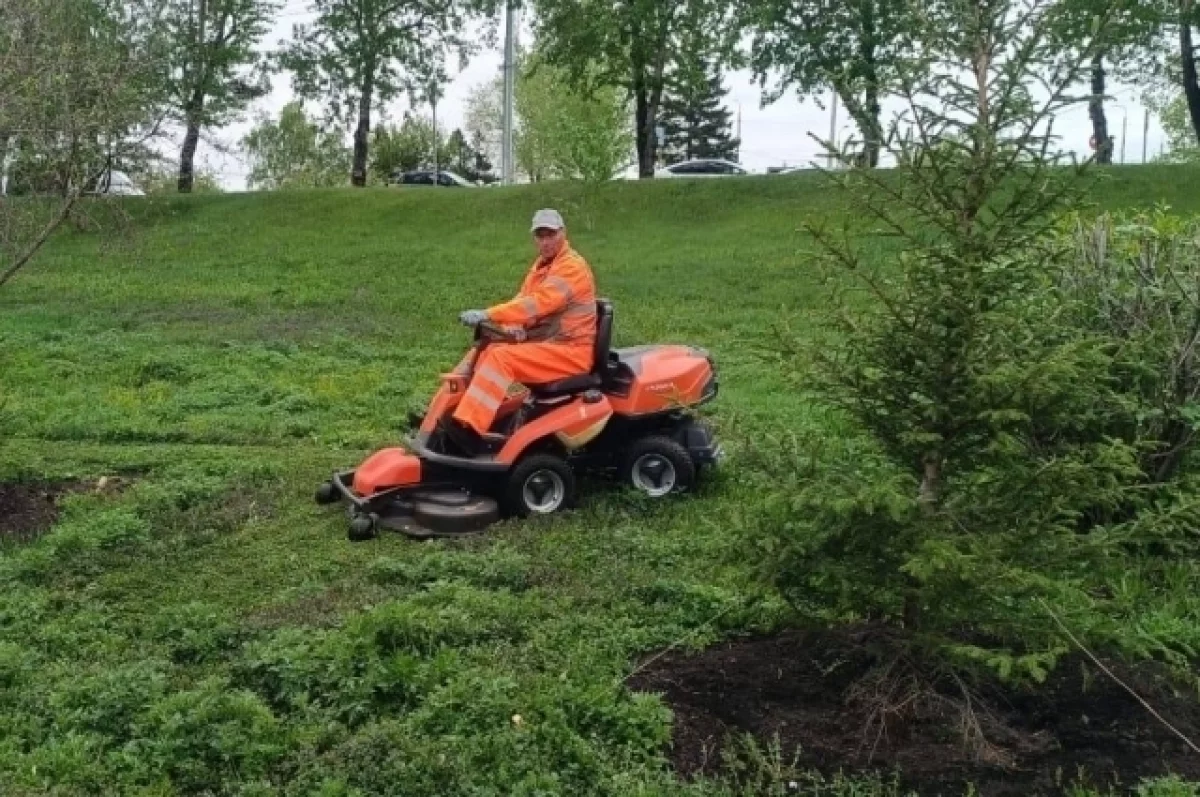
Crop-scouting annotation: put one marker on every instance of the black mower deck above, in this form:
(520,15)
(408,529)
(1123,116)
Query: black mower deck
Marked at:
(421,513)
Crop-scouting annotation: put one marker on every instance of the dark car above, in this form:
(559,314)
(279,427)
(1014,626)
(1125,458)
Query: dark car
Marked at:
(702,167)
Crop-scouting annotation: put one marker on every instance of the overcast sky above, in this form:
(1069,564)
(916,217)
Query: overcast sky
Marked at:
(771,136)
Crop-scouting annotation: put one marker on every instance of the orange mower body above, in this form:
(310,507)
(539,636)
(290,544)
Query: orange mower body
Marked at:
(630,417)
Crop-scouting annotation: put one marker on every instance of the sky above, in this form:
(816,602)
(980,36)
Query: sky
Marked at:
(776,135)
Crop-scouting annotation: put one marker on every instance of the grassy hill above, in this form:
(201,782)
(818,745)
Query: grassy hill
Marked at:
(195,624)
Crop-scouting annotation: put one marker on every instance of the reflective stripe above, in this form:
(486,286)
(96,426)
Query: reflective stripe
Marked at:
(529,306)
(495,377)
(579,311)
(551,327)
(560,285)
(477,393)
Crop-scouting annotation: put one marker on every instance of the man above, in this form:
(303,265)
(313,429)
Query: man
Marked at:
(554,317)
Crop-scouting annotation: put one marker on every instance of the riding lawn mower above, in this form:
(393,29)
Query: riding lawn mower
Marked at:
(631,416)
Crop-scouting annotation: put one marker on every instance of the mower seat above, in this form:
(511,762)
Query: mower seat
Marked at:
(600,364)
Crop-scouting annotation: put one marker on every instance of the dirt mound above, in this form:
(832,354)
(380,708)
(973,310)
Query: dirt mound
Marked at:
(806,688)
(29,508)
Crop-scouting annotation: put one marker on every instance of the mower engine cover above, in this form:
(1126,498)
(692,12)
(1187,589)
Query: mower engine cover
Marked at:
(387,468)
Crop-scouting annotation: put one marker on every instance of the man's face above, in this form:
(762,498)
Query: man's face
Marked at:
(548,241)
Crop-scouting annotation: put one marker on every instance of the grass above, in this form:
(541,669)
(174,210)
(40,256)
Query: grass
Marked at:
(209,630)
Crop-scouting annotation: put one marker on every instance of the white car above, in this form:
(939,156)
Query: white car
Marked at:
(702,167)
(426,177)
(115,183)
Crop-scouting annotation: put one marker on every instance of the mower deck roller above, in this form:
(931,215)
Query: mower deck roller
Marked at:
(630,417)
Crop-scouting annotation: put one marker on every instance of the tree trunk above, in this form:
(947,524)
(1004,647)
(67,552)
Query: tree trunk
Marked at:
(867,124)
(194,108)
(871,133)
(870,115)
(358,174)
(652,103)
(928,497)
(3,164)
(187,157)
(1103,145)
(644,123)
(1187,53)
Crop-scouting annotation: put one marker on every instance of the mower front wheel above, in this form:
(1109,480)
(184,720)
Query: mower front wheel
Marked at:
(363,527)
(328,493)
(657,466)
(541,484)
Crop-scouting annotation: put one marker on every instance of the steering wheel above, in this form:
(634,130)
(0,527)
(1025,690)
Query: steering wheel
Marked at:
(490,332)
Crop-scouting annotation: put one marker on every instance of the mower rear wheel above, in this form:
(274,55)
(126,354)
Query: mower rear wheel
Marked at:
(657,466)
(541,484)
(364,527)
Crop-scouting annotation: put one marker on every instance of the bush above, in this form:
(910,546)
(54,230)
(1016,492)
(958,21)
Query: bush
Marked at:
(1135,280)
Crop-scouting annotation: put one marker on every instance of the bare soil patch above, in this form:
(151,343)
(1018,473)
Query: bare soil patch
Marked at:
(805,688)
(29,509)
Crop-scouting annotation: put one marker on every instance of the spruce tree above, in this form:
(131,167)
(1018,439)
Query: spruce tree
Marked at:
(696,123)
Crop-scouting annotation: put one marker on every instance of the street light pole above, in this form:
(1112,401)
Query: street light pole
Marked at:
(506,143)
(433,105)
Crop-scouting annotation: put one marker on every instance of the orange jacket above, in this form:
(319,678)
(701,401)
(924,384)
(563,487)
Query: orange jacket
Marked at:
(556,303)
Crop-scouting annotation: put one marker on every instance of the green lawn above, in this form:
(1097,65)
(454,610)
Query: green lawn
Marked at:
(208,629)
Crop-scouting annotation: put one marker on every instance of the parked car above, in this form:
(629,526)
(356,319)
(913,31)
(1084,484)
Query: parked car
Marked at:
(702,167)
(426,177)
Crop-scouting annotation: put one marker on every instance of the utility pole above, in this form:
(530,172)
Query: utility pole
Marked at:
(506,143)
(433,98)
(1145,134)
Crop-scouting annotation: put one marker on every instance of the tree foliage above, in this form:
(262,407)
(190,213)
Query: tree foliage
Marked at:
(483,118)
(627,46)
(562,128)
(1133,28)
(567,132)
(294,152)
(1180,21)
(80,88)
(858,48)
(466,159)
(695,121)
(215,69)
(1176,122)
(409,145)
(359,54)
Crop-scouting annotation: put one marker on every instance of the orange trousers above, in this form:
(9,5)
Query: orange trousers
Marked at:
(504,364)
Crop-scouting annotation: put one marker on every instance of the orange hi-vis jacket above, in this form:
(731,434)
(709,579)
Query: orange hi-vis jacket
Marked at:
(556,303)
(557,307)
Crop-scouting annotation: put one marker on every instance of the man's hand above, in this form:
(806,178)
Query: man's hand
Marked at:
(472,318)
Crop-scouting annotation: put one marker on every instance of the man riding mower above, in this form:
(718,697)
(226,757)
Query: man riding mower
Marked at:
(539,398)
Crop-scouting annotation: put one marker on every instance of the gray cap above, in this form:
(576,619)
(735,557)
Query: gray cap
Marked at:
(547,218)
